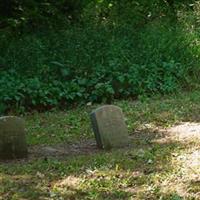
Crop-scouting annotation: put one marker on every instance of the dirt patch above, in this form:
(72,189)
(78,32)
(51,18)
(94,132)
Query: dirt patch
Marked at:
(60,150)
(185,132)
(182,133)
(139,139)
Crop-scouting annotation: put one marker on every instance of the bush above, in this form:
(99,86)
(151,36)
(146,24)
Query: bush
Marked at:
(17,92)
(99,59)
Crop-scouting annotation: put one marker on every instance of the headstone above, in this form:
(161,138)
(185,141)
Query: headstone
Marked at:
(109,127)
(12,138)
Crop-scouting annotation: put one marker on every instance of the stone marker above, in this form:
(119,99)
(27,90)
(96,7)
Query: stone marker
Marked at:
(109,127)
(12,138)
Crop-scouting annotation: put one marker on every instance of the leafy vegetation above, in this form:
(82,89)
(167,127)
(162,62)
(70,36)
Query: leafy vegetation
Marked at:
(111,50)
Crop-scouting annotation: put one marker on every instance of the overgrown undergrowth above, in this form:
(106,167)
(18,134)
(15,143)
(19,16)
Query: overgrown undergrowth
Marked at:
(98,61)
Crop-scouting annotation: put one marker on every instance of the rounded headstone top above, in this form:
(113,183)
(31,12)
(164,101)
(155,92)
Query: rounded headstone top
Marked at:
(12,123)
(107,108)
(9,117)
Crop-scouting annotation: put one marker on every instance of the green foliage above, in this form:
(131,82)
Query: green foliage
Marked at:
(102,56)
(36,93)
(21,14)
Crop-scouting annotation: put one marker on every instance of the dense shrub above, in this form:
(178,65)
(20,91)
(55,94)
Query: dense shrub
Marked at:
(92,65)
(31,14)
(102,57)
(102,85)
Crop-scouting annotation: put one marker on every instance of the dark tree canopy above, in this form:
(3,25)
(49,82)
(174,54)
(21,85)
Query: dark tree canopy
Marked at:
(17,13)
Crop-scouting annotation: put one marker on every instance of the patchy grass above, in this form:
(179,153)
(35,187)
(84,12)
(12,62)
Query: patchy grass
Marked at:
(74,125)
(159,165)
(55,127)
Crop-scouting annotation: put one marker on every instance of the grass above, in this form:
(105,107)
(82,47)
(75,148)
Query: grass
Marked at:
(158,166)
(57,126)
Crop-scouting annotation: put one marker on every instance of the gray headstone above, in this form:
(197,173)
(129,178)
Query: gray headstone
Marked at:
(12,138)
(109,127)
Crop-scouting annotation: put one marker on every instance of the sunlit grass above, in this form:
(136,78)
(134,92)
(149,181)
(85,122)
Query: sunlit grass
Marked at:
(158,165)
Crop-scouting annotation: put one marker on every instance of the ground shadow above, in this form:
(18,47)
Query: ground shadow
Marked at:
(150,154)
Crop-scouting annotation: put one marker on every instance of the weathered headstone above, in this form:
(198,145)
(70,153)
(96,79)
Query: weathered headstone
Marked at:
(12,138)
(109,127)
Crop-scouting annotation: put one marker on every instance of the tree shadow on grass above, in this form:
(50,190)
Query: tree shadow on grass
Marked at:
(132,172)
(138,139)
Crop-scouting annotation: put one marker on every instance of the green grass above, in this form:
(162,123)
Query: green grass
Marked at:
(150,169)
(74,125)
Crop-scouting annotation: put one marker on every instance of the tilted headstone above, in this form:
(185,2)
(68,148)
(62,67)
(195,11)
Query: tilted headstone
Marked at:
(12,138)
(109,127)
